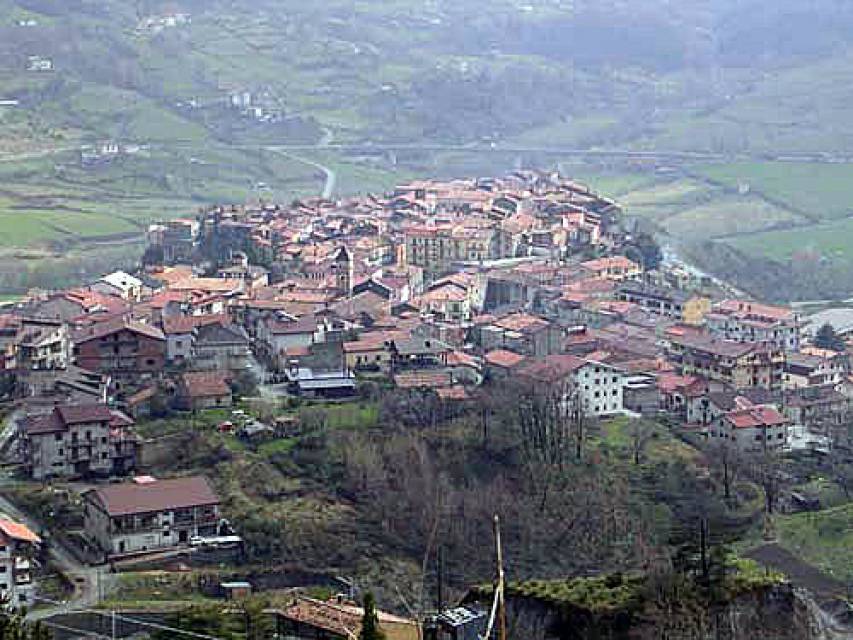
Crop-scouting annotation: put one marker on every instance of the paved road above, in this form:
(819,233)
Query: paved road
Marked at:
(32,155)
(89,582)
(10,429)
(331,176)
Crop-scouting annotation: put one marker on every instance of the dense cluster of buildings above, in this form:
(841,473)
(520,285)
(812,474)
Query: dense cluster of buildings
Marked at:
(438,287)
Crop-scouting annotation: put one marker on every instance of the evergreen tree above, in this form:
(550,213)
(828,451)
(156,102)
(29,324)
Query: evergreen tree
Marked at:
(826,338)
(13,627)
(370,622)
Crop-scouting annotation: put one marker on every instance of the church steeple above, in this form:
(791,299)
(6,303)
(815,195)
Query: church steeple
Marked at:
(344,270)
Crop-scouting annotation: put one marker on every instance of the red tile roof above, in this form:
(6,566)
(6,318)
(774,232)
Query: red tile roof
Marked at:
(523,323)
(162,495)
(115,325)
(18,531)
(553,368)
(454,393)
(504,358)
(205,384)
(758,416)
(422,379)
(186,324)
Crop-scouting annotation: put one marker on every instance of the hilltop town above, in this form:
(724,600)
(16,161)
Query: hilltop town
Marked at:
(277,380)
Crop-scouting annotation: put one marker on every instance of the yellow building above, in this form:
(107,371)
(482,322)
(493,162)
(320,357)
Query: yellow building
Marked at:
(695,309)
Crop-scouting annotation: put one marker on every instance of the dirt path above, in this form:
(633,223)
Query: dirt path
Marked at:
(798,571)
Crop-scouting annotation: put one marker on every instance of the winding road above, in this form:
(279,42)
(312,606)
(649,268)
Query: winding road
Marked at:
(331,175)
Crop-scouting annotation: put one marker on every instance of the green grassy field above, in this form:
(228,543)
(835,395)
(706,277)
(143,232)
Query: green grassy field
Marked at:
(822,191)
(831,240)
(728,216)
(823,538)
(801,108)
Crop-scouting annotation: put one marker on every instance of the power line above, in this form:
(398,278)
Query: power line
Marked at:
(115,616)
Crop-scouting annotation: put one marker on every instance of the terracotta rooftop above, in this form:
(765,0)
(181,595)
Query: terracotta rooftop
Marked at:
(18,531)
(422,379)
(614,262)
(523,323)
(162,495)
(205,384)
(454,394)
(344,619)
(755,417)
(504,358)
(553,368)
(114,325)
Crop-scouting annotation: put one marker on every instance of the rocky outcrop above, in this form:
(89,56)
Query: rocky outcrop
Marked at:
(632,611)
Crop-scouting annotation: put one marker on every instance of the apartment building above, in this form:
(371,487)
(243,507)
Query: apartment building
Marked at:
(77,441)
(614,268)
(665,301)
(815,367)
(733,364)
(125,349)
(744,321)
(34,344)
(436,249)
(597,385)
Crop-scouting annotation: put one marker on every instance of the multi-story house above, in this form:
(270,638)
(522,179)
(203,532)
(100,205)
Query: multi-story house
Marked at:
(598,386)
(751,428)
(176,238)
(821,410)
(17,547)
(615,268)
(727,363)
(815,367)
(522,333)
(221,346)
(78,441)
(448,301)
(43,344)
(665,301)
(125,349)
(150,515)
(436,249)
(33,344)
(743,321)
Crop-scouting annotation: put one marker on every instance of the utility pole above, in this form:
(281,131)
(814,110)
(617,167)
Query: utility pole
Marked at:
(114,624)
(501,582)
(440,579)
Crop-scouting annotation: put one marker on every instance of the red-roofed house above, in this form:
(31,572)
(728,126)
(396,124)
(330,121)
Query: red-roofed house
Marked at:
(615,268)
(139,517)
(203,390)
(125,349)
(16,582)
(752,428)
(502,363)
(682,395)
(599,386)
(745,321)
